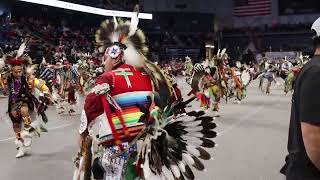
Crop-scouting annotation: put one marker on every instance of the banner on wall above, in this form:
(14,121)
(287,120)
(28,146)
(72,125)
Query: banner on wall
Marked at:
(181,52)
(275,56)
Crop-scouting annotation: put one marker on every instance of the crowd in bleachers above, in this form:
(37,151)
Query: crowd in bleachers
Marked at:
(56,36)
(269,29)
(10,33)
(125,5)
(49,37)
(286,37)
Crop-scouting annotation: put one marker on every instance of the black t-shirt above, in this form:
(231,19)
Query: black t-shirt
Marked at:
(305,108)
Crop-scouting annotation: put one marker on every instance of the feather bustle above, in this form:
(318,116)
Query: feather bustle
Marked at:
(197,163)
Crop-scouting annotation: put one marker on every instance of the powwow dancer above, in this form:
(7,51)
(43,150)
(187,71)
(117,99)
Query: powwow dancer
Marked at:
(128,100)
(268,75)
(239,78)
(176,92)
(294,72)
(4,71)
(47,73)
(68,83)
(188,68)
(3,81)
(22,101)
(206,85)
(88,73)
(285,68)
(212,91)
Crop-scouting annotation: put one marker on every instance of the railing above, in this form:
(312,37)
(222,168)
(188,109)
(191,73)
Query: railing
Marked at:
(239,34)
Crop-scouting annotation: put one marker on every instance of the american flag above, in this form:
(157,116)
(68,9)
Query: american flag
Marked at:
(244,8)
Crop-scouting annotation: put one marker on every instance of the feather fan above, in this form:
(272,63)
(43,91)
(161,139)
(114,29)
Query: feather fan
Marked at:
(170,147)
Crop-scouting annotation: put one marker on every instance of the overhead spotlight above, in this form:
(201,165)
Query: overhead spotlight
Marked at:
(210,46)
(87,9)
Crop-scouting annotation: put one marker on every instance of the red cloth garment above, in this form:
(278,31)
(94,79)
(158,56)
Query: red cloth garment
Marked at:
(296,71)
(71,96)
(129,87)
(178,93)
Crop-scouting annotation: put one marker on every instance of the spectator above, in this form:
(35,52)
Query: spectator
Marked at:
(303,161)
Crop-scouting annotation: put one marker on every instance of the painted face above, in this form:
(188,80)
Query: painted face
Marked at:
(17,71)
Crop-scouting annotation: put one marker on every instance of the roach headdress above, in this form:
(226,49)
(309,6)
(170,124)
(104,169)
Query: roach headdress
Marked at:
(127,36)
(18,57)
(118,36)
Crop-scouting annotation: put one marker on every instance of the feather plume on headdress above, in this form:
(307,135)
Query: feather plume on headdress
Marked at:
(2,64)
(128,35)
(21,50)
(18,57)
(31,69)
(43,60)
(132,40)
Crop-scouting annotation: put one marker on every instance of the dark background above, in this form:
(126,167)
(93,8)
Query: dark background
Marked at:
(287,7)
(240,2)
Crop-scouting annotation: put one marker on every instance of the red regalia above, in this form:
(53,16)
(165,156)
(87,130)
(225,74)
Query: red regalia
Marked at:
(132,102)
(128,88)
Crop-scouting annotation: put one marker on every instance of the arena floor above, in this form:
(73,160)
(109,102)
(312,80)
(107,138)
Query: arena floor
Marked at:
(251,143)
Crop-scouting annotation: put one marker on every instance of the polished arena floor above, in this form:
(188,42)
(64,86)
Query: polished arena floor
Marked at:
(251,143)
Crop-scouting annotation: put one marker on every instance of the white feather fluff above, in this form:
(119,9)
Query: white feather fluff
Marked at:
(316,26)
(115,22)
(150,175)
(218,54)
(80,173)
(31,69)
(182,166)
(82,176)
(21,50)
(167,173)
(192,150)
(192,140)
(44,61)
(195,134)
(156,177)
(186,120)
(146,169)
(223,51)
(206,63)
(162,177)
(134,24)
(75,174)
(192,123)
(193,129)
(2,64)
(133,57)
(115,37)
(187,158)
(175,170)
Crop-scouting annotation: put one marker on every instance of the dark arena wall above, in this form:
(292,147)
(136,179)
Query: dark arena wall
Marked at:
(289,7)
